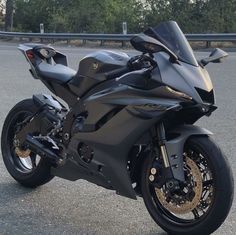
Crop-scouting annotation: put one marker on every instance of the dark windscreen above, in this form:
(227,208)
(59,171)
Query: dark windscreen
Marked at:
(171,36)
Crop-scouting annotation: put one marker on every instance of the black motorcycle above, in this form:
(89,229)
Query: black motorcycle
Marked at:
(126,124)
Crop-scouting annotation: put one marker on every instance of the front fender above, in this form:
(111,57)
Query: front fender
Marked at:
(175,146)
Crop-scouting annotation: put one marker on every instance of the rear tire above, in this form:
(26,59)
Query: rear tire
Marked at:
(221,201)
(40,173)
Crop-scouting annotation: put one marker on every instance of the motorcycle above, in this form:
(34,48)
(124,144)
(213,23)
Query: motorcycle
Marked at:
(126,124)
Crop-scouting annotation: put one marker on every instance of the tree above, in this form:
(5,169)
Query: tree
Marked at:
(1,16)
(221,16)
(163,10)
(9,15)
(29,14)
(78,16)
(156,11)
(1,10)
(106,16)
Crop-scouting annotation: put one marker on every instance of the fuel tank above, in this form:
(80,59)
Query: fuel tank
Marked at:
(93,68)
(95,65)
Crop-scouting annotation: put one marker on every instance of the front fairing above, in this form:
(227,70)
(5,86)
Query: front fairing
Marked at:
(184,77)
(173,38)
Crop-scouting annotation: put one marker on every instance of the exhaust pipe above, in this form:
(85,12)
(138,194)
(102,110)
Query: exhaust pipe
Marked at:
(41,150)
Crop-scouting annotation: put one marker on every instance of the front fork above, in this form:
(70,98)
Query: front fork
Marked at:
(161,135)
(172,171)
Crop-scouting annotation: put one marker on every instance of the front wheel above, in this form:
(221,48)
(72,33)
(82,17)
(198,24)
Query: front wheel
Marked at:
(202,205)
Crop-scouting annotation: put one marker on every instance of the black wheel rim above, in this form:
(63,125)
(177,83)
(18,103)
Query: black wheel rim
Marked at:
(22,165)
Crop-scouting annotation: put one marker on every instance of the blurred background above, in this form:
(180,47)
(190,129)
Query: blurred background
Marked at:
(106,16)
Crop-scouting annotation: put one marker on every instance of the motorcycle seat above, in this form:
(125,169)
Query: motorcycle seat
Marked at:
(55,73)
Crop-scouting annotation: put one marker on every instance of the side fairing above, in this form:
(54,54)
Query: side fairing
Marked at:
(111,145)
(183,77)
(112,138)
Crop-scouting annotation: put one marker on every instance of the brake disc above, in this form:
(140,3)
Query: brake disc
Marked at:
(184,206)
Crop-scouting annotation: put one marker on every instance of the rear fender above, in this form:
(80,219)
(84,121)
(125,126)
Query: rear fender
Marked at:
(47,100)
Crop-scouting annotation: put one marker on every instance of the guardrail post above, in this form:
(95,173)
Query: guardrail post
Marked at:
(84,42)
(102,43)
(41,27)
(124,28)
(208,44)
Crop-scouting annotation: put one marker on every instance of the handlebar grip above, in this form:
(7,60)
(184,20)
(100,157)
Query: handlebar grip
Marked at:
(117,72)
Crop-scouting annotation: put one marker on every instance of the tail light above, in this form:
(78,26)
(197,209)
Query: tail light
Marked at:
(30,55)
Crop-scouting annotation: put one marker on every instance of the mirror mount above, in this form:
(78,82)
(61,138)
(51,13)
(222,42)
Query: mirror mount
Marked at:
(216,56)
(150,45)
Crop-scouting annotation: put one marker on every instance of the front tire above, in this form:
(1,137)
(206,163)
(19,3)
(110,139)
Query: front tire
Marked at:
(31,171)
(221,186)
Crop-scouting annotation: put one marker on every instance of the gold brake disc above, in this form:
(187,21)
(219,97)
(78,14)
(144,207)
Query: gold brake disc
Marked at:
(184,206)
(22,153)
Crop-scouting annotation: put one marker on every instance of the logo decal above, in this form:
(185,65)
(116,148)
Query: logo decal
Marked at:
(95,65)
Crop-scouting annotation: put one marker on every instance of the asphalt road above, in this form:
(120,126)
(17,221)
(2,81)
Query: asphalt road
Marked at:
(63,207)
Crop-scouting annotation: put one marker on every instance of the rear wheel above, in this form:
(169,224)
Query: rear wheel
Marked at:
(200,206)
(24,166)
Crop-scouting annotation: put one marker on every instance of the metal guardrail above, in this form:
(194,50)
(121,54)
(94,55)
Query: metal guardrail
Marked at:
(69,36)
(208,38)
(219,37)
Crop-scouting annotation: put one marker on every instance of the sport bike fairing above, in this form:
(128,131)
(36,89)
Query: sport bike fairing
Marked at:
(187,74)
(115,113)
(113,141)
(183,76)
